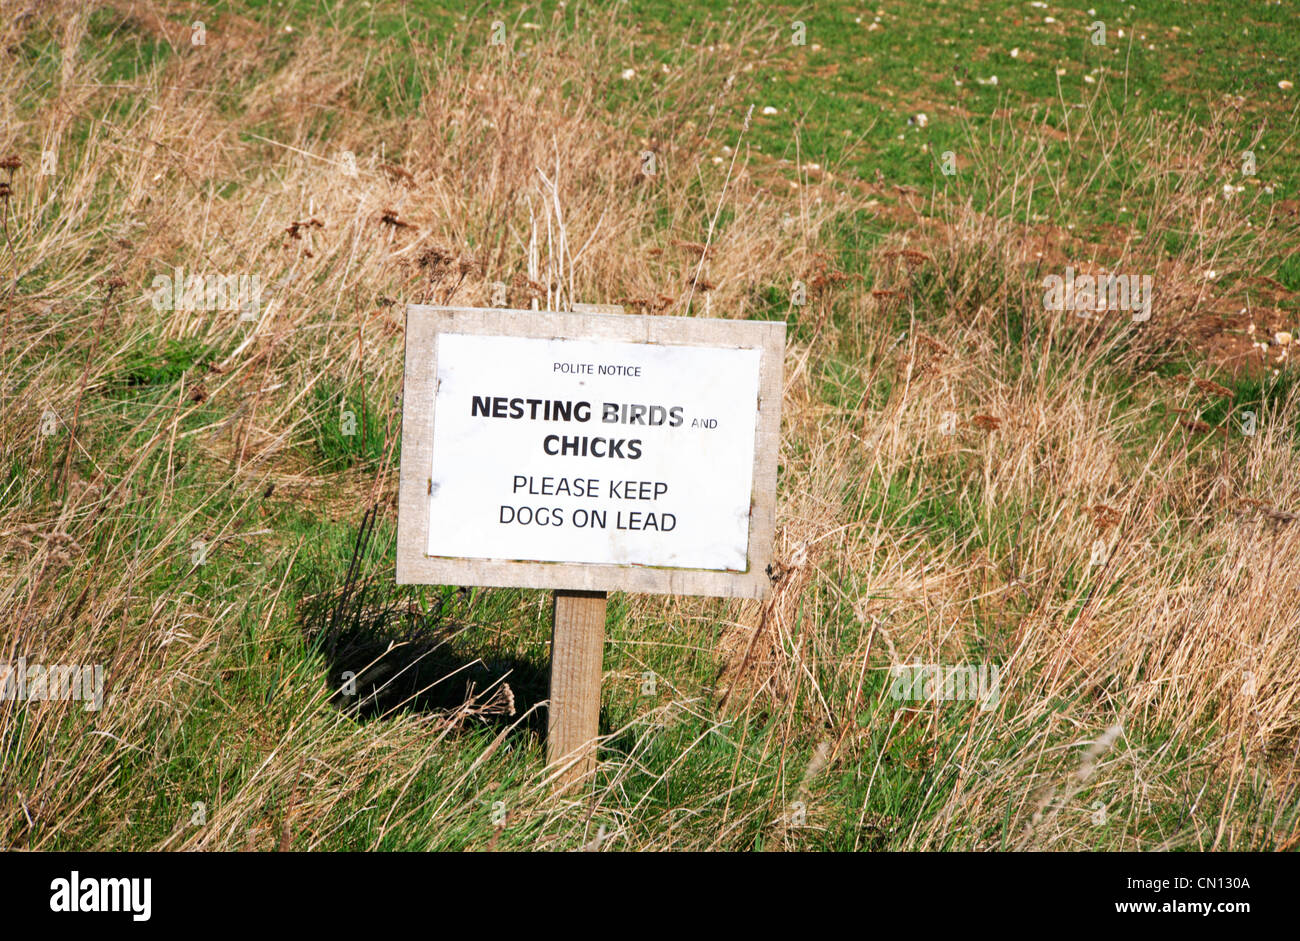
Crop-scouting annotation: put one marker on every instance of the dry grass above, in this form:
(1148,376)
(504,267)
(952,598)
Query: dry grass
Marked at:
(1156,675)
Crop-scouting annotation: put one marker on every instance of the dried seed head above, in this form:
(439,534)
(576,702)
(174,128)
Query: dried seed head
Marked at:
(1104,517)
(1206,385)
(294,227)
(434,257)
(11,163)
(389,217)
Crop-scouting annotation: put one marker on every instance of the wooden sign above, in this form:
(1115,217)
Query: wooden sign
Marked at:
(589,451)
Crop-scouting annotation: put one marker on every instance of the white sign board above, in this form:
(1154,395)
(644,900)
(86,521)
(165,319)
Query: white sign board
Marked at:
(569,450)
(554,450)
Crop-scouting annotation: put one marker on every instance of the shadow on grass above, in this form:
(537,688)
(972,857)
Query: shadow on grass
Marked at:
(386,656)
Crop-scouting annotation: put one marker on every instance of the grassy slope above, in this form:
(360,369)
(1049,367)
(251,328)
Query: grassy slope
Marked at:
(901,543)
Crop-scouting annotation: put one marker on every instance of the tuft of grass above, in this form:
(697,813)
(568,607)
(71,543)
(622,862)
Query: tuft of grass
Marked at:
(347,428)
(182,501)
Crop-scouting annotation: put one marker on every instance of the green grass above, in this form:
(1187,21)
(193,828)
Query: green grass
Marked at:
(347,427)
(296,588)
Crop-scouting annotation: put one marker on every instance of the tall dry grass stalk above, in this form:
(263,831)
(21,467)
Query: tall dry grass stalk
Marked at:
(1177,649)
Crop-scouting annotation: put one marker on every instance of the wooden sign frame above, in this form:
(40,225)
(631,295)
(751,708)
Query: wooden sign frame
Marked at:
(424,324)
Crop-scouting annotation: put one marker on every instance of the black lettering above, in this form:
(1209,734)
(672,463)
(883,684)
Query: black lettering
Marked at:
(676,413)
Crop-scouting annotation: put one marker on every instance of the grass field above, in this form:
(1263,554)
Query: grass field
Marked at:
(1099,508)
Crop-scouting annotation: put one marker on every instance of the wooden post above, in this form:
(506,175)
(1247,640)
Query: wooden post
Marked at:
(577,659)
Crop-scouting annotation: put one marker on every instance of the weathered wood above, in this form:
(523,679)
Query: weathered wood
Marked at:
(577,658)
(425,324)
